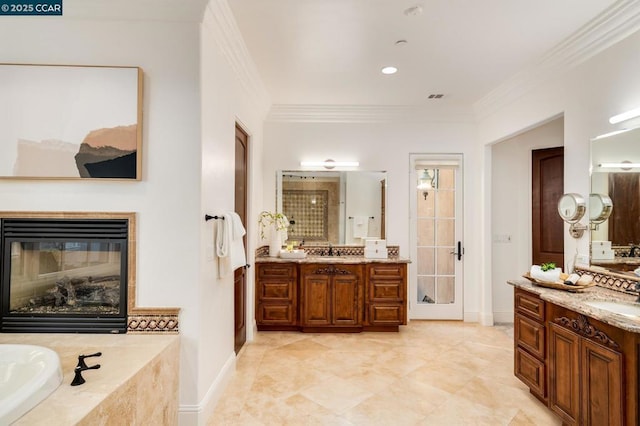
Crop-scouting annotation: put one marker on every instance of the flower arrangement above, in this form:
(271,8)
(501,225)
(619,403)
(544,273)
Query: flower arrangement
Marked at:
(267,219)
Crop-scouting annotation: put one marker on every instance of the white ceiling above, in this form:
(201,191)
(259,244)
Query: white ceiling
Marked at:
(330,52)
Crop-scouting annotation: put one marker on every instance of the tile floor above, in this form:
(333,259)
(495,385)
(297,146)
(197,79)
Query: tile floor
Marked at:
(430,373)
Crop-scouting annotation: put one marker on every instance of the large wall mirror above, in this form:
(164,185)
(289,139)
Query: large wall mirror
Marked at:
(332,207)
(615,185)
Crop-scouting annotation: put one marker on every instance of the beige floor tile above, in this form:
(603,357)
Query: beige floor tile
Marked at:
(430,373)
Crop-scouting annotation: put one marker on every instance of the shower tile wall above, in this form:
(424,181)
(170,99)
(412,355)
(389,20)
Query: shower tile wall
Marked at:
(293,210)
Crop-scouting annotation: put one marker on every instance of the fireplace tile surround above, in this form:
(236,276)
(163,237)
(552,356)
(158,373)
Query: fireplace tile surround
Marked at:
(140,320)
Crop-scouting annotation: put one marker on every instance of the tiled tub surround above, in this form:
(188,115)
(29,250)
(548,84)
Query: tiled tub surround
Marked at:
(139,319)
(137,382)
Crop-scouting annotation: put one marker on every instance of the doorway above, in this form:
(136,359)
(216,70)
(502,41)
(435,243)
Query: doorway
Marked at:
(239,275)
(437,249)
(547,186)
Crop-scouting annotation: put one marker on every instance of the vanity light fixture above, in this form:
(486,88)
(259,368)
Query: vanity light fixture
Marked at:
(329,164)
(625,116)
(624,165)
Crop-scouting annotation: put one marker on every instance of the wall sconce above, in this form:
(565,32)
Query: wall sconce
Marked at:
(571,208)
(625,116)
(427,181)
(329,164)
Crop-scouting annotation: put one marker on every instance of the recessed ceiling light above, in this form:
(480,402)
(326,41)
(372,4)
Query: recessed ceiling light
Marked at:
(389,70)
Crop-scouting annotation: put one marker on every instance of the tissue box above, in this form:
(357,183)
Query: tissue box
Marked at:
(376,253)
(373,243)
(606,245)
(602,254)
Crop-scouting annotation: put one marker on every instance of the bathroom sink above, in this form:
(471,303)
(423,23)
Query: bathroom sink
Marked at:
(626,309)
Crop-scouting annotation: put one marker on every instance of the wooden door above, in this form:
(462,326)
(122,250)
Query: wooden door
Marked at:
(602,387)
(239,275)
(564,374)
(316,290)
(345,306)
(547,179)
(624,226)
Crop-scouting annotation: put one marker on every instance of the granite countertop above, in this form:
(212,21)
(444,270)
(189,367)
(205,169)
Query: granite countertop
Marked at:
(576,302)
(345,260)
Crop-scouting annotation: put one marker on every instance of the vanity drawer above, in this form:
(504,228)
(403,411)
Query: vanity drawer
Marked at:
(274,290)
(531,371)
(276,314)
(386,314)
(382,271)
(529,304)
(275,270)
(529,335)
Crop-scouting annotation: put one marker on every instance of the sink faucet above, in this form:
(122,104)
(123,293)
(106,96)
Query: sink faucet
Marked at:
(330,250)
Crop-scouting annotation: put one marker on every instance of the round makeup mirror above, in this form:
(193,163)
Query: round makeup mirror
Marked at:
(571,207)
(600,207)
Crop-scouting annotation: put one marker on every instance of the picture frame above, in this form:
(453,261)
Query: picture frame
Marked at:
(70,122)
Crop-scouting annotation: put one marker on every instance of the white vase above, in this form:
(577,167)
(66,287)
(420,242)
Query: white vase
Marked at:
(275,242)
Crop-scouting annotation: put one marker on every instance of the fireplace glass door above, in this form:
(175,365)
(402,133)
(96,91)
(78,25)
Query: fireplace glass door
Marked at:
(64,276)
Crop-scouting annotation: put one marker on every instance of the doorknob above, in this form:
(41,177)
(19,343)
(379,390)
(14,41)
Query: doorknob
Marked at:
(460,251)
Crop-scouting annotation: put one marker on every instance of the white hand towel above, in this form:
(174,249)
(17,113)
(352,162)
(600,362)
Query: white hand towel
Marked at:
(360,227)
(238,255)
(549,276)
(222,242)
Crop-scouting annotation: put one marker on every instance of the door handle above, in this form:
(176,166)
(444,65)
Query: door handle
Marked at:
(460,251)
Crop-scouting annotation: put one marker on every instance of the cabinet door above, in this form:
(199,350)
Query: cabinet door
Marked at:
(564,373)
(345,300)
(601,385)
(316,290)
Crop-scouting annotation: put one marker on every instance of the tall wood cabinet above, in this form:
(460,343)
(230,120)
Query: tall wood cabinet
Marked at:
(331,296)
(586,371)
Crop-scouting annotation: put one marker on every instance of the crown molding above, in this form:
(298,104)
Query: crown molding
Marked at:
(219,21)
(616,23)
(367,114)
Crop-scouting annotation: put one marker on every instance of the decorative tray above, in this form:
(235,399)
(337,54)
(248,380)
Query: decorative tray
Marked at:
(558,285)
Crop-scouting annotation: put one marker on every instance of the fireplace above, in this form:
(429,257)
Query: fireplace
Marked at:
(60,275)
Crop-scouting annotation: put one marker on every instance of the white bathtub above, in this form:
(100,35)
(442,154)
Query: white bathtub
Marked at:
(28,374)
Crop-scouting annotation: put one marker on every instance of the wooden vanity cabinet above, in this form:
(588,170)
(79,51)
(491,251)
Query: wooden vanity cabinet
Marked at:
(586,369)
(385,303)
(529,342)
(330,296)
(276,296)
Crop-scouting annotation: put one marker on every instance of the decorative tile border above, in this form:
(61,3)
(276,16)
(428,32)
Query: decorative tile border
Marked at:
(611,280)
(394,251)
(153,320)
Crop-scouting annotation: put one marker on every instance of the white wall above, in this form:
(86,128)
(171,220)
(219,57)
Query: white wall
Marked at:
(386,146)
(363,199)
(511,210)
(587,95)
(188,168)
(224,102)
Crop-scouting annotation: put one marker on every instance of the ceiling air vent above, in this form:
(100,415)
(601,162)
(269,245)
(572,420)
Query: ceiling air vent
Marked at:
(436,96)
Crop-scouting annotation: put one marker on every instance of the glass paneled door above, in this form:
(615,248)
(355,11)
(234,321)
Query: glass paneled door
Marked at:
(436,237)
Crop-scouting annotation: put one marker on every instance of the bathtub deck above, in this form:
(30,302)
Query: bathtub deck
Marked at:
(136,384)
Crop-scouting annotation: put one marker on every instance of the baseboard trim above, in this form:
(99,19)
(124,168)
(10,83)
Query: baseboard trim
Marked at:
(198,414)
(503,317)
